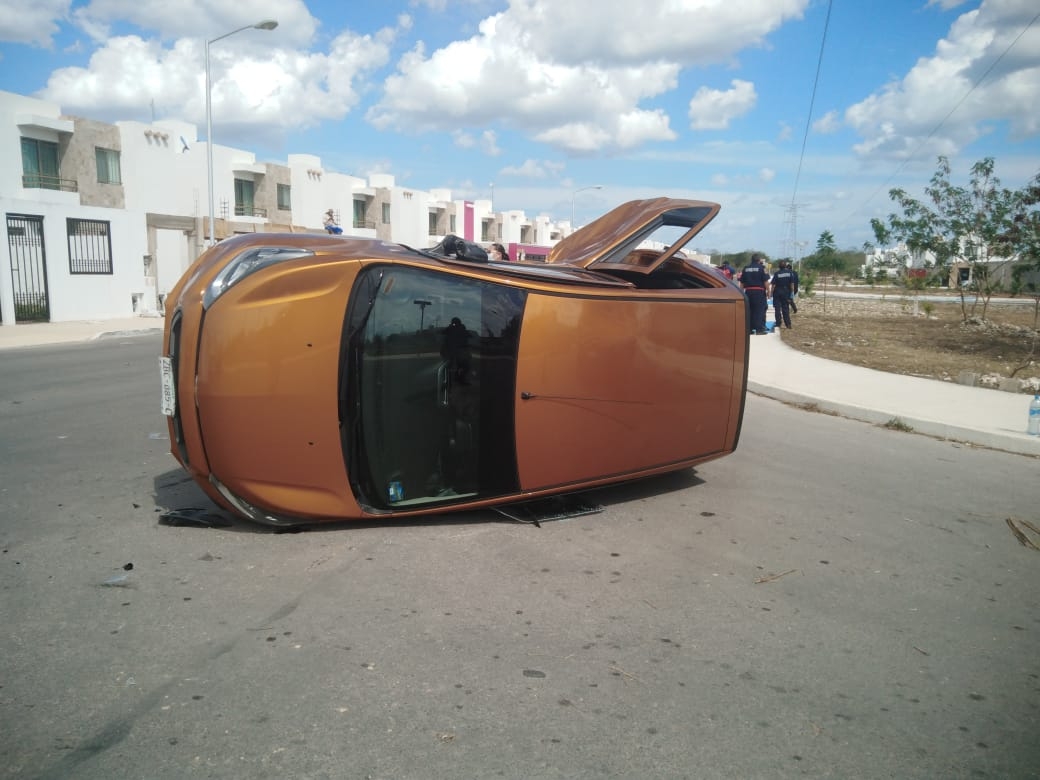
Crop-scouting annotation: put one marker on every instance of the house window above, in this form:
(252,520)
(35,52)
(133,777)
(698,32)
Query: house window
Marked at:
(386,213)
(244,203)
(40,164)
(284,197)
(433,223)
(451,224)
(90,246)
(359,213)
(107,166)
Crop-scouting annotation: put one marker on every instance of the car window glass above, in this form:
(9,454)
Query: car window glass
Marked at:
(435,370)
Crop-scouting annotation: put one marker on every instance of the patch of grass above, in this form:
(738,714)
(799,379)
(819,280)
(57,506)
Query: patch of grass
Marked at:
(895,424)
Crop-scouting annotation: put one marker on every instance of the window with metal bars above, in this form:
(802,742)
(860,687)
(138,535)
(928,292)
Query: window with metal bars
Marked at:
(90,246)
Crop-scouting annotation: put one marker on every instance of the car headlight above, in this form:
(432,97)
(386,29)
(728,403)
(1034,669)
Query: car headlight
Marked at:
(249,262)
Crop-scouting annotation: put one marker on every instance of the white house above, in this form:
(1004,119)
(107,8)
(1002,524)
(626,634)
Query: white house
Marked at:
(100,220)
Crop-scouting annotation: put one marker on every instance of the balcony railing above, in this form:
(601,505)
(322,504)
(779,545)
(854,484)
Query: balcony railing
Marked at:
(367,224)
(38,181)
(242,210)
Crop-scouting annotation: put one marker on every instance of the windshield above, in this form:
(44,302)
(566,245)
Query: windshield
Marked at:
(427,385)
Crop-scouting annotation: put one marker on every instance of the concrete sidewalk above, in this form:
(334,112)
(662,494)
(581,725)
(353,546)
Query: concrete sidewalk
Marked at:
(989,418)
(35,334)
(980,416)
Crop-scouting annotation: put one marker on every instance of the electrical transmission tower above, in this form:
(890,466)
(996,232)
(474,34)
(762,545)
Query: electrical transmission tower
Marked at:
(792,246)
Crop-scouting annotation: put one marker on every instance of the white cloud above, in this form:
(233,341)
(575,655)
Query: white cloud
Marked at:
(586,76)
(616,32)
(766,175)
(714,109)
(199,18)
(531,169)
(34,23)
(948,100)
(828,123)
(463,140)
(576,137)
(473,82)
(578,75)
(261,86)
(489,143)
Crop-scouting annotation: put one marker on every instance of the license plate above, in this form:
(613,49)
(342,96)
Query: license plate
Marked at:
(169,389)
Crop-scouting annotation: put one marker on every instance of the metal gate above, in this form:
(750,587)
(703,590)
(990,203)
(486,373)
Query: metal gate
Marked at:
(28,268)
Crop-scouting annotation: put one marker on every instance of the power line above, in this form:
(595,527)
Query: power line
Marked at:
(812,102)
(793,208)
(952,111)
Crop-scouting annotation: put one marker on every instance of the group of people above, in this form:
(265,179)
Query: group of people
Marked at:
(758,286)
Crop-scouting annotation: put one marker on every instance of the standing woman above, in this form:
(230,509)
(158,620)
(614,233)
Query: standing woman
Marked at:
(498,254)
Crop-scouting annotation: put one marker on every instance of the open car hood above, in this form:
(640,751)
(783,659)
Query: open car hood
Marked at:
(609,243)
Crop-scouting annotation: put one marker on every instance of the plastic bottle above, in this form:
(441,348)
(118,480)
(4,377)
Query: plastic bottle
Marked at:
(1034,416)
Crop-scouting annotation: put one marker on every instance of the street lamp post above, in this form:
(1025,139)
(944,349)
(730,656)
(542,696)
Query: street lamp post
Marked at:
(267,24)
(593,187)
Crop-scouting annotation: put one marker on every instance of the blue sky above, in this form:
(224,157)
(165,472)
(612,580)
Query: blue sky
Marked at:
(532,100)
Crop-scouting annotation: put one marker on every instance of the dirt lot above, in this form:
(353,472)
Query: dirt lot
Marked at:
(921,338)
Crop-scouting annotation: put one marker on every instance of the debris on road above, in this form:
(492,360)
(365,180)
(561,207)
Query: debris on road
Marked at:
(194,516)
(771,577)
(1023,539)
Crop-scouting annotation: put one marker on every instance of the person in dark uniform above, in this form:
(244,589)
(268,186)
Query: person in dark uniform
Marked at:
(754,280)
(794,287)
(783,285)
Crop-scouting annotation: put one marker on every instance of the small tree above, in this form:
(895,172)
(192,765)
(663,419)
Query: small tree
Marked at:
(807,284)
(825,258)
(957,224)
(1023,237)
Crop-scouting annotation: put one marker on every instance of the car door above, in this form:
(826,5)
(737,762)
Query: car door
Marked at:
(617,241)
(626,384)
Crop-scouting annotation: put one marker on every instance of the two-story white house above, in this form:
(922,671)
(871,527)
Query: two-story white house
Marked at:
(100,220)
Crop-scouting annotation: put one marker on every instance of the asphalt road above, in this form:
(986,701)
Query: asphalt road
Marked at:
(833,600)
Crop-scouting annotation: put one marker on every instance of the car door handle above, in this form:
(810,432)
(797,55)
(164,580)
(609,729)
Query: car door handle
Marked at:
(442,384)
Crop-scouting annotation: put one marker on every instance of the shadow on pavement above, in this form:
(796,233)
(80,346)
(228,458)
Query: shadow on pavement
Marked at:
(180,503)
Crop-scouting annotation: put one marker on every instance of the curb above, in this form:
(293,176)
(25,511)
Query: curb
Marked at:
(123,333)
(1018,443)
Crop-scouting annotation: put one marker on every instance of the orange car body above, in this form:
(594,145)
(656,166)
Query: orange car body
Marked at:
(312,378)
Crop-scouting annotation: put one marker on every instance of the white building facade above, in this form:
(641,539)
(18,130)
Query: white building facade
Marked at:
(100,220)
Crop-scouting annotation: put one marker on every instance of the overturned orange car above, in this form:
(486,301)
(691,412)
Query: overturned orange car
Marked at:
(313,378)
